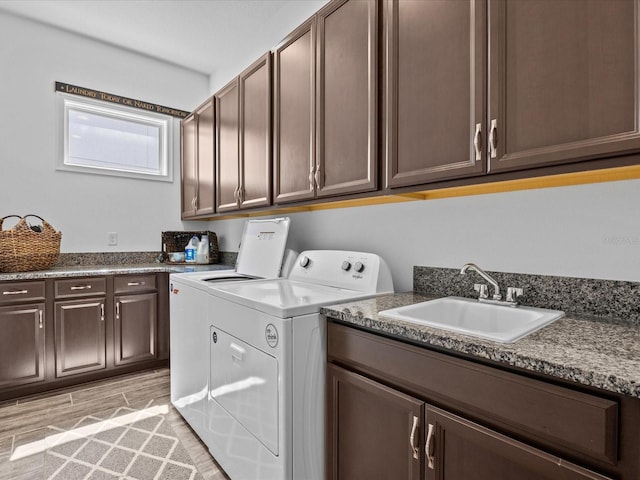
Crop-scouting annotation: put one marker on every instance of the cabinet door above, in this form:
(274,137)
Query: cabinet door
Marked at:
(188,165)
(459,450)
(255,134)
(80,336)
(205,190)
(21,344)
(374,432)
(227,154)
(563,81)
(347,140)
(434,90)
(135,328)
(294,115)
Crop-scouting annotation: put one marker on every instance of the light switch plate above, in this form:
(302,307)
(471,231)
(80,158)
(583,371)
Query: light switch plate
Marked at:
(112,238)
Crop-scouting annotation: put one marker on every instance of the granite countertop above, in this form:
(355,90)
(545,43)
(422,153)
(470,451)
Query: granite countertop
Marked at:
(91,270)
(596,352)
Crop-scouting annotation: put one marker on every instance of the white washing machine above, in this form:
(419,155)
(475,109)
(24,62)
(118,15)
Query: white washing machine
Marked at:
(260,256)
(267,341)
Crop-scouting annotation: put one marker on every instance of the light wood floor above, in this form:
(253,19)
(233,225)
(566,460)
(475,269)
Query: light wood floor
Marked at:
(25,420)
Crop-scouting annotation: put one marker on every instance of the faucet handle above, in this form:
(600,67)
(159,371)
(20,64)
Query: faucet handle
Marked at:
(513,293)
(482,289)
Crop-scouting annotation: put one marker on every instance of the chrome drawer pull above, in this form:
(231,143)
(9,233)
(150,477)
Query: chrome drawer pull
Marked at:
(135,284)
(412,438)
(118,310)
(81,287)
(40,320)
(15,292)
(428,447)
(102,312)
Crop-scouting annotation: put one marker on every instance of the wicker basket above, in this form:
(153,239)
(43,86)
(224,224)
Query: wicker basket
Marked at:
(23,248)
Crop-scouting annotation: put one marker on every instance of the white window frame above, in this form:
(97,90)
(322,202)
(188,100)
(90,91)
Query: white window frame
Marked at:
(68,102)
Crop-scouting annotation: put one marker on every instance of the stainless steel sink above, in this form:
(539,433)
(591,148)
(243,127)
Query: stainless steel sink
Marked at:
(504,324)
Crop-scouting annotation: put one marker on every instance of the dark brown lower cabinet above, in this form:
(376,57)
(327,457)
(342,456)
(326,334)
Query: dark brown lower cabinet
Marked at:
(457,449)
(22,341)
(135,328)
(58,332)
(400,411)
(80,336)
(376,430)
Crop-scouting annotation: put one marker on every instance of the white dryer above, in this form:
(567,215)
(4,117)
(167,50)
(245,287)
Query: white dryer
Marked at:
(267,339)
(261,256)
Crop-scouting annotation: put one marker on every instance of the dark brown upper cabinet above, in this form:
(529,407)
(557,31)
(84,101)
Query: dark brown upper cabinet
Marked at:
(347,98)
(563,81)
(188,165)
(325,104)
(227,126)
(294,156)
(255,134)
(433,90)
(243,135)
(197,162)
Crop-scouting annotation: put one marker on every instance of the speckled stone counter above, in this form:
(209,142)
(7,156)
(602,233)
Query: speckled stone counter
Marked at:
(92,270)
(597,352)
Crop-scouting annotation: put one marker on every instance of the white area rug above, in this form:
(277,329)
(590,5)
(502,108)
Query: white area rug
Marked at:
(130,444)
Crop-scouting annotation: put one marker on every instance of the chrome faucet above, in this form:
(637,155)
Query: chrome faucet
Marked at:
(512,292)
(487,277)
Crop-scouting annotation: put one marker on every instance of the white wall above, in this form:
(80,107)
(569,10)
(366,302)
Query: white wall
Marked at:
(84,207)
(291,14)
(590,231)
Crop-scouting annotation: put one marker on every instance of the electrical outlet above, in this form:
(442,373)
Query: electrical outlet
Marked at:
(112,238)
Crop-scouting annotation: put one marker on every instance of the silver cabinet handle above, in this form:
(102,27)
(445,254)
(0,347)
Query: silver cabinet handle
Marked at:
(195,202)
(311,184)
(412,438)
(15,292)
(317,177)
(118,310)
(236,195)
(240,194)
(477,139)
(135,284)
(40,319)
(102,312)
(428,447)
(493,138)
(81,287)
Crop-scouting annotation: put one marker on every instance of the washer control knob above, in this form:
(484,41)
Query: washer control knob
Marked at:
(346,265)
(359,267)
(305,261)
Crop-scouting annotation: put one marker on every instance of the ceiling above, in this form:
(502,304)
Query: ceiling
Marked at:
(202,35)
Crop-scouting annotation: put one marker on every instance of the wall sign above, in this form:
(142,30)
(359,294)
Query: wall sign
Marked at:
(129,102)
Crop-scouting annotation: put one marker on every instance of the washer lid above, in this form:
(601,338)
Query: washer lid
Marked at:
(262,247)
(284,298)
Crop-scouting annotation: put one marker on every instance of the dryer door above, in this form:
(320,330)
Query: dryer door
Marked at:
(244,381)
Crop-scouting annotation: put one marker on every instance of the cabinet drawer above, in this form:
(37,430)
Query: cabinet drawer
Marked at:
(134,283)
(80,287)
(21,291)
(569,420)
